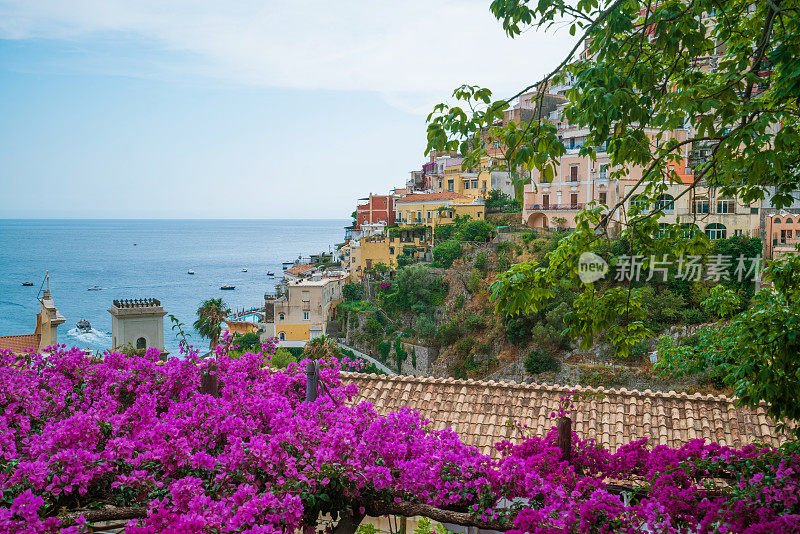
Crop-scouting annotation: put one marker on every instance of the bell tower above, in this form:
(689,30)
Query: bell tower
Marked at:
(48,319)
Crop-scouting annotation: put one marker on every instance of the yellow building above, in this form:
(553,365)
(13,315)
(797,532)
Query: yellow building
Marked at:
(431,209)
(382,249)
(306,309)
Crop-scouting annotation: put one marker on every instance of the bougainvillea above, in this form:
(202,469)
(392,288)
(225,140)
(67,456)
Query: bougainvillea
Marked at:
(78,433)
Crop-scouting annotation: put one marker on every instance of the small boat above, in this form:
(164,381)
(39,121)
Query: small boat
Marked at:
(190,272)
(27,284)
(95,288)
(244,270)
(84,326)
(227,287)
(270,273)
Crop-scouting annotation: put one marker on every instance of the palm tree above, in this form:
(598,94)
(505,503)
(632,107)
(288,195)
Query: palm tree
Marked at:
(209,320)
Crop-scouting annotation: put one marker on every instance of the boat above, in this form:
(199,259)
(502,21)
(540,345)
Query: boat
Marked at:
(190,272)
(227,287)
(27,284)
(244,270)
(84,325)
(270,273)
(95,288)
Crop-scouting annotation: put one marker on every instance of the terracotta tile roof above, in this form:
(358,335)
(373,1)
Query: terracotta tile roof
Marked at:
(22,343)
(478,411)
(428,197)
(299,269)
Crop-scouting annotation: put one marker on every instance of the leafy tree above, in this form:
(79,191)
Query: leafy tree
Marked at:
(722,302)
(538,362)
(247,342)
(416,290)
(444,254)
(322,348)
(721,72)
(479,230)
(282,358)
(210,315)
(353,291)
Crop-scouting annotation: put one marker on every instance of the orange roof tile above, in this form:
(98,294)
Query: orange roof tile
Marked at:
(22,343)
(478,411)
(299,269)
(428,197)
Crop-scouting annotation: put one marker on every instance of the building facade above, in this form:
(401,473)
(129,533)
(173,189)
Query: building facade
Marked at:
(137,324)
(432,209)
(305,310)
(375,209)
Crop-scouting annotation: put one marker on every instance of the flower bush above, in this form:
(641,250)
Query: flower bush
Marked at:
(78,433)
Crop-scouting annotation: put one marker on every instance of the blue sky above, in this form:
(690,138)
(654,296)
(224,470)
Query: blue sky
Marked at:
(241,109)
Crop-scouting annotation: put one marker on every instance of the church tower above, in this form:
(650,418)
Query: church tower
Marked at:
(48,319)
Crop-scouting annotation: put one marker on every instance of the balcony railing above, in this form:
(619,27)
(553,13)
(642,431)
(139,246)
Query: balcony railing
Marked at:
(555,207)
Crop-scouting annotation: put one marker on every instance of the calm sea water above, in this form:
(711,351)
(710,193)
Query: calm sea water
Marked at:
(83,253)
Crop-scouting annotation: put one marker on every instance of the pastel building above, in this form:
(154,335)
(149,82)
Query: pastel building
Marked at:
(137,324)
(306,308)
(432,209)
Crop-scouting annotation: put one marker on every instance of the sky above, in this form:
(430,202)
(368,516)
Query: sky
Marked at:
(234,109)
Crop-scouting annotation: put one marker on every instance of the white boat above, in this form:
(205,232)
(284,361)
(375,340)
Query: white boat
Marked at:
(95,288)
(190,271)
(84,326)
(244,270)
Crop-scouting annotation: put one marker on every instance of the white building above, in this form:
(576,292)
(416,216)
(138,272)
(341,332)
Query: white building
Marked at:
(138,324)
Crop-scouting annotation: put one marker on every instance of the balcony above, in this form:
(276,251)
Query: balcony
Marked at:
(555,207)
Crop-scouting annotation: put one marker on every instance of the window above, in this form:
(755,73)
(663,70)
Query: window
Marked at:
(450,185)
(716,231)
(603,197)
(700,205)
(689,230)
(737,232)
(306,315)
(724,205)
(666,203)
(788,234)
(282,336)
(573,173)
(639,201)
(306,296)
(546,201)
(281,317)
(783,236)
(789,220)
(141,343)
(479,214)
(429,215)
(777,221)
(419,216)
(573,201)
(474,184)
(391,251)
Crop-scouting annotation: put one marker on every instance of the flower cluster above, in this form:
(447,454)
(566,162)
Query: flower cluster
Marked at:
(253,456)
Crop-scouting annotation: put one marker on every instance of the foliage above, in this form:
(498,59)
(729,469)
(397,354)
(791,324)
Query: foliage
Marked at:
(247,342)
(425,326)
(693,316)
(446,252)
(481,262)
(258,458)
(416,290)
(463,346)
(322,348)
(538,362)
(210,315)
(353,291)
(480,230)
(282,358)
(450,332)
(459,301)
(181,335)
(475,281)
(499,201)
(722,302)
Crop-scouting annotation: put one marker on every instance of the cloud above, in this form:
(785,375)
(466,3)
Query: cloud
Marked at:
(413,52)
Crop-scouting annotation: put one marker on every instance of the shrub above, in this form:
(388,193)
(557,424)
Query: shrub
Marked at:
(639,349)
(450,332)
(517,329)
(405,259)
(503,262)
(459,301)
(247,342)
(474,322)
(353,291)
(282,358)
(538,362)
(481,262)
(425,326)
(463,346)
(479,230)
(444,254)
(693,316)
(546,336)
(474,282)
(722,302)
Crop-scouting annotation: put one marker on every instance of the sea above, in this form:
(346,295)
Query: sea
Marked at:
(136,259)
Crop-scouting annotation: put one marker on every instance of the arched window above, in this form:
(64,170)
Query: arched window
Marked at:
(716,231)
(282,336)
(689,230)
(700,205)
(789,220)
(777,220)
(141,343)
(666,203)
(663,229)
(281,316)
(639,201)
